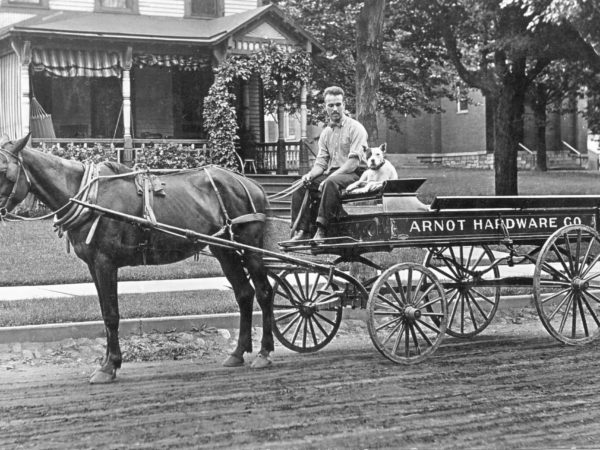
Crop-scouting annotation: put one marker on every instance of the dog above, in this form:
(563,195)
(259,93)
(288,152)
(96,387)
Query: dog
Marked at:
(378,170)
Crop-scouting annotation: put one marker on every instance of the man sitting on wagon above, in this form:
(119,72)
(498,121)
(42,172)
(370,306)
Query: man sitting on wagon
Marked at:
(339,162)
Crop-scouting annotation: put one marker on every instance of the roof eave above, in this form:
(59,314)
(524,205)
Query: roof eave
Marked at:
(129,37)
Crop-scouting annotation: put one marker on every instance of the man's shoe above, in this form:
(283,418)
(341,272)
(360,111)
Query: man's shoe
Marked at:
(300,235)
(320,234)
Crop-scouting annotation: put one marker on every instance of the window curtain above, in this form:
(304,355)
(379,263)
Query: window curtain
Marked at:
(76,63)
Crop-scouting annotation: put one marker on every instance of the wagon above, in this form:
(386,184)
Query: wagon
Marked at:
(474,249)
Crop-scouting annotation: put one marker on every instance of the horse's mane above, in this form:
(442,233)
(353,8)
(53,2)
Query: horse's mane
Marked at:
(117,168)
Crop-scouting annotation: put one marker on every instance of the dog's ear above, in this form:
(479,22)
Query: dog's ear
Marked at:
(383,147)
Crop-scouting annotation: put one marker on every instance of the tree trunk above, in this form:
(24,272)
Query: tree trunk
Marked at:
(539,119)
(369,27)
(508,121)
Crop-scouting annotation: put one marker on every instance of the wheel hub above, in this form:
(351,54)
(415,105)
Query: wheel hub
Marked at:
(579,284)
(412,313)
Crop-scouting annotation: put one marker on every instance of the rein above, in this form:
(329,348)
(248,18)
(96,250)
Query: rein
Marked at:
(13,193)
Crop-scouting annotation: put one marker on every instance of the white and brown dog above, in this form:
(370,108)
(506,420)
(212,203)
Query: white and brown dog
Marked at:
(378,170)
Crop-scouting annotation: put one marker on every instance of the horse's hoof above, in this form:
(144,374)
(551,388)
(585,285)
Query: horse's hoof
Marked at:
(261,362)
(100,377)
(233,361)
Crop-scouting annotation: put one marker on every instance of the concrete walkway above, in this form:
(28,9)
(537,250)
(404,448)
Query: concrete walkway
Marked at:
(13,293)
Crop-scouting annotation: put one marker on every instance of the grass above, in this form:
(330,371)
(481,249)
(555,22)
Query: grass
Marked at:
(83,309)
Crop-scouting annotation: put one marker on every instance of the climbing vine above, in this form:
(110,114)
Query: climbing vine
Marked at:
(280,72)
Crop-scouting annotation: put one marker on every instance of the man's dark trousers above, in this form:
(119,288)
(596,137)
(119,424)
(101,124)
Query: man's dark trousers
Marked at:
(330,204)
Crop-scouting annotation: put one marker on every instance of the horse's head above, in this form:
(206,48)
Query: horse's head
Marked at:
(14,181)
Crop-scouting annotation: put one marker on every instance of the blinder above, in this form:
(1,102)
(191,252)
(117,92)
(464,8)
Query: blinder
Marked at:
(12,171)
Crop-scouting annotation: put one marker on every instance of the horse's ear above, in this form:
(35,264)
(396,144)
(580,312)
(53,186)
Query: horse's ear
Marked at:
(383,147)
(20,144)
(4,139)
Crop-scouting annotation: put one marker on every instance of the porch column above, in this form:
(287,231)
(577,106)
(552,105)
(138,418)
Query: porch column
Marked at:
(281,170)
(128,153)
(25,60)
(246,104)
(303,166)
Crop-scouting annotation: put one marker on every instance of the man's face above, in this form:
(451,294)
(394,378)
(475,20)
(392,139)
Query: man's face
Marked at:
(334,104)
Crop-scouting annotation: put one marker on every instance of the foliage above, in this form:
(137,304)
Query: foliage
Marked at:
(96,153)
(281,72)
(171,156)
(410,81)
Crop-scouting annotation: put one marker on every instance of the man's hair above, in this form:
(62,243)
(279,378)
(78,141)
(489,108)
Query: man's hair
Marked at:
(333,90)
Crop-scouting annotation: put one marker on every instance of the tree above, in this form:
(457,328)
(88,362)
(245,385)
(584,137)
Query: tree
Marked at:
(494,47)
(408,83)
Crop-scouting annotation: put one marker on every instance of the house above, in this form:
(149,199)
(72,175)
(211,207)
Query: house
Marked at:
(130,71)
(460,135)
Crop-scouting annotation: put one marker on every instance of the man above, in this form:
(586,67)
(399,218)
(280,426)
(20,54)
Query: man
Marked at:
(339,162)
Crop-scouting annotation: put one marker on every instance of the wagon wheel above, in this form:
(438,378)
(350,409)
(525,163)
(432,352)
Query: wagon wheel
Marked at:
(471,309)
(566,284)
(407,313)
(308,312)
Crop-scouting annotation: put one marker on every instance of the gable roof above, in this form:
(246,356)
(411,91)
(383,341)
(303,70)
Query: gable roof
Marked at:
(141,27)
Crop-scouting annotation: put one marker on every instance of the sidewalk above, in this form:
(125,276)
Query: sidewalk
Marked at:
(14,293)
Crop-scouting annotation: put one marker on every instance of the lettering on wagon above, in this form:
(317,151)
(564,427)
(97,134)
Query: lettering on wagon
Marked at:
(532,223)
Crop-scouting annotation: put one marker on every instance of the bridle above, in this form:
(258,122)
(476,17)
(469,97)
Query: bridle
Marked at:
(20,170)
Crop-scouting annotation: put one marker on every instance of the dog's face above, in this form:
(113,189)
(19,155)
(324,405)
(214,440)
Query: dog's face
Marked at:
(376,156)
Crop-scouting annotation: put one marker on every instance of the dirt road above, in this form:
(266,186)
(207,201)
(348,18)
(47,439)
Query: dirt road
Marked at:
(514,387)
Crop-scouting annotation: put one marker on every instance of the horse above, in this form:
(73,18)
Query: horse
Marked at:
(210,200)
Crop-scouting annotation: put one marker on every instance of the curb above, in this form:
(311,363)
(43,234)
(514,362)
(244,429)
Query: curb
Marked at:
(137,327)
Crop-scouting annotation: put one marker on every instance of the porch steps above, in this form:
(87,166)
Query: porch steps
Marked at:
(274,184)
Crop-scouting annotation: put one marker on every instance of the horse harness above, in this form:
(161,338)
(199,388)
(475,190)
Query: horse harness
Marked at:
(14,176)
(147,185)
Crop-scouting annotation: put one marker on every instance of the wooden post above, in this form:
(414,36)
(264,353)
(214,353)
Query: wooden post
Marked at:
(281,170)
(128,154)
(303,164)
(24,54)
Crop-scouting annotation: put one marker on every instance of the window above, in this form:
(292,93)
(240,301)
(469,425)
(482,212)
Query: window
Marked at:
(462,101)
(129,6)
(28,3)
(204,8)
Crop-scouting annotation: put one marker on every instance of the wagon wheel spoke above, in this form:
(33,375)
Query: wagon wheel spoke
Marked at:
(559,307)
(582,315)
(423,335)
(559,255)
(590,309)
(481,296)
(401,301)
(565,316)
(553,296)
(594,262)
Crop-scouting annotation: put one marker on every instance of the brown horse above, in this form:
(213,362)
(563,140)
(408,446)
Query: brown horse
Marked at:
(204,200)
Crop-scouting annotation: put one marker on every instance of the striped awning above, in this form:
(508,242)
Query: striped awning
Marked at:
(76,63)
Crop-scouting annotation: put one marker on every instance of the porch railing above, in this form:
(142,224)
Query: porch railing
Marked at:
(266,152)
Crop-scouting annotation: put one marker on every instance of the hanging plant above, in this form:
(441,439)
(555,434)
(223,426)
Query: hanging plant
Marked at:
(280,71)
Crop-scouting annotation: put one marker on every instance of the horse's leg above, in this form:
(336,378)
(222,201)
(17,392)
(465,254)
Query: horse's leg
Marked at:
(231,263)
(264,296)
(104,274)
